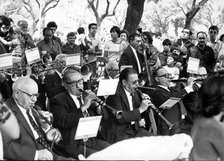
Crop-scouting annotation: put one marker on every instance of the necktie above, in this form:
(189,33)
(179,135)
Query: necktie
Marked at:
(39,131)
(85,113)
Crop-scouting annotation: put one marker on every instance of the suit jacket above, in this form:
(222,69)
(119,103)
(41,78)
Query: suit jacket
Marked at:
(160,95)
(128,58)
(118,129)
(53,85)
(66,117)
(24,148)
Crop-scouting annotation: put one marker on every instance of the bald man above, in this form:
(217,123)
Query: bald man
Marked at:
(29,145)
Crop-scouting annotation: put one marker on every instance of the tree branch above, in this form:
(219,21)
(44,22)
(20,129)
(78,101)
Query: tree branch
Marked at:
(181,7)
(48,3)
(106,12)
(38,3)
(91,3)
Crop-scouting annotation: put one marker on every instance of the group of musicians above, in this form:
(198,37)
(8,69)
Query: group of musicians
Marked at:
(65,93)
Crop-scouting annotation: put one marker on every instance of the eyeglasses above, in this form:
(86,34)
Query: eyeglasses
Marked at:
(167,75)
(201,38)
(32,96)
(74,83)
(134,82)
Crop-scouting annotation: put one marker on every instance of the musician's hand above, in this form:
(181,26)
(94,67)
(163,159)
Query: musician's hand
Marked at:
(88,99)
(44,155)
(141,123)
(145,96)
(144,105)
(53,135)
(190,81)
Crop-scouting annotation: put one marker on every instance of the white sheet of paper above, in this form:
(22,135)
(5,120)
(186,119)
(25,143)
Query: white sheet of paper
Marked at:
(6,60)
(88,127)
(170,102)
(32,55)
(73,59)
(125,66)
(193,65)
(107,87)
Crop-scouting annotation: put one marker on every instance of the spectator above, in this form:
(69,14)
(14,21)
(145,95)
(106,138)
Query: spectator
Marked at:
(70,47)
(207,131)
(53,26)
(48,45)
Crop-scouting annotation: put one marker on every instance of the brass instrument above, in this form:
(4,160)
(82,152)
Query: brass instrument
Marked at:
(50,134)
(118,114)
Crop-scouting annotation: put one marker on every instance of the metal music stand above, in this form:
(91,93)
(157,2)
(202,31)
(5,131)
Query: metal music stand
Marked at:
(87,128)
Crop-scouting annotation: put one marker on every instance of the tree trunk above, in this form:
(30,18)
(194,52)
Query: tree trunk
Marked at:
(134,15)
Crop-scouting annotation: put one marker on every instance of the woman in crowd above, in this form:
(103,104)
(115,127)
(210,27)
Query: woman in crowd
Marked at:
(113,48)
(208,132)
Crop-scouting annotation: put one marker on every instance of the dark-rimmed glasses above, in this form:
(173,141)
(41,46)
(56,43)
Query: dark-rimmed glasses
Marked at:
(167,75)
(32,96)
(134,82)
(74,83)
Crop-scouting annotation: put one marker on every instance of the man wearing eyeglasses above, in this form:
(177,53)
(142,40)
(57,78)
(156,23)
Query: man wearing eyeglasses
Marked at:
(67,108)
(161,94)
(133,109)
(30,145)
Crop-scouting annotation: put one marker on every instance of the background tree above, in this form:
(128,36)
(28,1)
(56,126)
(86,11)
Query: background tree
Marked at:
(191,10)
(95,7)
(36,10)
(134,15)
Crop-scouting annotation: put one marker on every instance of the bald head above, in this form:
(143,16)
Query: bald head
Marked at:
(25,92)
(25,83)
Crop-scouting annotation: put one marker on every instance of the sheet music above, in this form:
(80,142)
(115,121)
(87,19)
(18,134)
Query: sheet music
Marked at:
(32,55)
(170,102)
(6,60)
(73,59)
(107,87)
(87,127)
(193,65)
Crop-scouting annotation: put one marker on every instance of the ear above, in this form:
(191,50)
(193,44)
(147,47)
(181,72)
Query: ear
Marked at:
(124,82)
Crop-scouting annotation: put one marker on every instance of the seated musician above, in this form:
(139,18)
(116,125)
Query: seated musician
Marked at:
(127,121)
(161,94)
(67,108)
(33,143)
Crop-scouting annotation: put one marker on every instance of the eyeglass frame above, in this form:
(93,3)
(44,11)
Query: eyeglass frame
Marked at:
(167,75)
(213,32)
(134,82)
(30,95)
(74,83)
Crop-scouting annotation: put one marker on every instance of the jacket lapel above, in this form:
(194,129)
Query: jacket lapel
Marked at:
(20,117)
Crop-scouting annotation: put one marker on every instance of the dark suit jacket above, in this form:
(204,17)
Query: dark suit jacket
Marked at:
(53,85)
(128,58)
(118,129)
(24,148)
(66,117)
(160,95)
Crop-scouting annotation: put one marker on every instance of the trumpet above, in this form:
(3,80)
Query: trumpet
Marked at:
(118,114)
(169,124)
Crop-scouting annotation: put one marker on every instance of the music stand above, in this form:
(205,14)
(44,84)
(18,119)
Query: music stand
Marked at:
(87,128)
